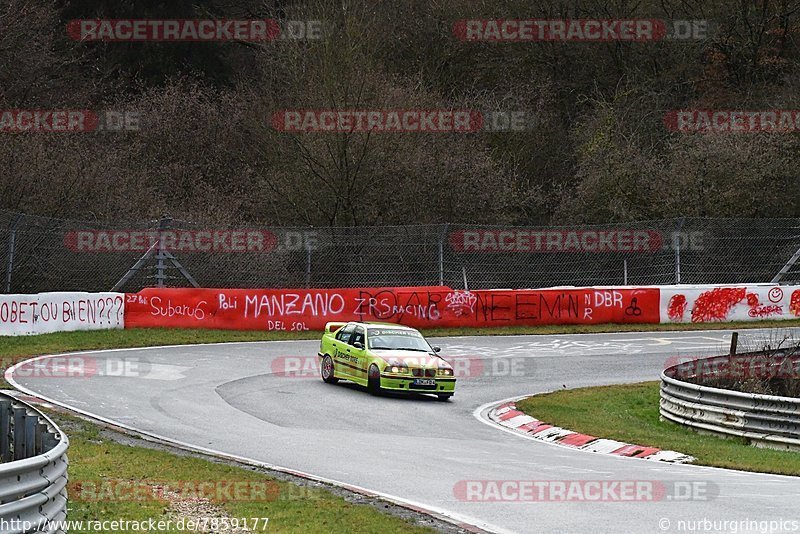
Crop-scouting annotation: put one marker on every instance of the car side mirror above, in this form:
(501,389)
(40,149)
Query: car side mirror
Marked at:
(437,349)
(359,345)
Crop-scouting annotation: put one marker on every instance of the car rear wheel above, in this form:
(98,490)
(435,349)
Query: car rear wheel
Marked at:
(443,396)
(374,380)
(328,374)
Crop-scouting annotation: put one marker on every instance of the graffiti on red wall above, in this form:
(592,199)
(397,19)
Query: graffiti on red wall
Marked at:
(794,304)
(732,303)
(715,305)
(422,307)
(677,307)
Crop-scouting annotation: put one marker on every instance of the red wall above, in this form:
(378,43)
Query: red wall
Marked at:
(422,307)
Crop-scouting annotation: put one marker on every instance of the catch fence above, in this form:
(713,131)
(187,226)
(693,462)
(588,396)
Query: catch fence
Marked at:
(47,254)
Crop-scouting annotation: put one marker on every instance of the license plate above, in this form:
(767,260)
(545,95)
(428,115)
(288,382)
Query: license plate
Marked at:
(424,382)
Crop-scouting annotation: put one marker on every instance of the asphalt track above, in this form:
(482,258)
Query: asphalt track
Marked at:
(235,398)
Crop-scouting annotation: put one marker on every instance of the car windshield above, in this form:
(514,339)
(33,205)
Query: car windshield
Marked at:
(397,340)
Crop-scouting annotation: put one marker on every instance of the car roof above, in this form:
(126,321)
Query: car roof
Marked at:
(374,325)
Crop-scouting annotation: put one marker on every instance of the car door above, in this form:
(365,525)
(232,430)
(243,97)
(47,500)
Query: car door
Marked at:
(341,346)
(358,354)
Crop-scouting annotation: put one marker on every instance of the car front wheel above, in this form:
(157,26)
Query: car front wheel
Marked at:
(327,370)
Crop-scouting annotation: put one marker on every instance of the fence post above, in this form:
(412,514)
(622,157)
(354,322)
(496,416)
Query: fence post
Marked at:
(676,244)
(12,245)
(161,268)
(442,237)
(308,263)
(625,272)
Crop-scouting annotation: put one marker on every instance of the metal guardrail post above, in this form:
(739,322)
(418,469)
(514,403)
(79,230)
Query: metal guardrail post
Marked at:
(5,431)
(18,434)
(30,435)
(41,429)
(49,441)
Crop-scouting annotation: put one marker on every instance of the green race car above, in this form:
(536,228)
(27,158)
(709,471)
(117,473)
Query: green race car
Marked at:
(384,357)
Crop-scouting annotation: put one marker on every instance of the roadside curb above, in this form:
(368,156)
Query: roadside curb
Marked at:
(507,415)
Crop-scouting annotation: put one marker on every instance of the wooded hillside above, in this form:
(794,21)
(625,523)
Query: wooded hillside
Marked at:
(598,149)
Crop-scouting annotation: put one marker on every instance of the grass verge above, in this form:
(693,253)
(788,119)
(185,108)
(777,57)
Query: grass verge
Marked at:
(629,413)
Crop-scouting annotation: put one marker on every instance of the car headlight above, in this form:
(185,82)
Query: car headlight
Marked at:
(446,372)
(396,369)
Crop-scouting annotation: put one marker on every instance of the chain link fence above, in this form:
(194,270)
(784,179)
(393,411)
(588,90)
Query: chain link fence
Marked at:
(46,254)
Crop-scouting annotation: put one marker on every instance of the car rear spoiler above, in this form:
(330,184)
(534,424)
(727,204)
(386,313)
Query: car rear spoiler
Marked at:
(333,327)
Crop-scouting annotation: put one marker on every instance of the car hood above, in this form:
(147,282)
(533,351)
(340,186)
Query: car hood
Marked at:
(411,358)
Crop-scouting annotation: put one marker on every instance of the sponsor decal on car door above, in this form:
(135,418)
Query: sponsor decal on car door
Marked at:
(358,356)
(340,348)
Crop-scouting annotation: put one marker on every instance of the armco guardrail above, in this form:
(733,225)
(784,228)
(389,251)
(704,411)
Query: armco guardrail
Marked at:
(33,472)
(764,420)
